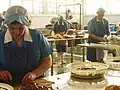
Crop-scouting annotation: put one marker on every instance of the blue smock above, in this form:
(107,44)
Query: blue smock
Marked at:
(58,28)
(19,60)
(99,28)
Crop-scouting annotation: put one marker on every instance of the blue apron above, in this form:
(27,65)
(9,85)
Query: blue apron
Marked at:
(19,60)
(60,45)
(18,57)
(100,31)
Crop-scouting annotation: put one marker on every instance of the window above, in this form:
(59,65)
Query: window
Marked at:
(111,6)
(114,6)
(15,2)
(77,7)
(91,8)
(28,4)
(38,7)
(33,6)
(4,5)
(52,6)
(60,6)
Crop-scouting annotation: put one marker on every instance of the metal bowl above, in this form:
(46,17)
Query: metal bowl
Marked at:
(88,69)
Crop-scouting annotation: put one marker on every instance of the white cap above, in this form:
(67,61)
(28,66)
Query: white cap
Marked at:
(17,13)
(101,10)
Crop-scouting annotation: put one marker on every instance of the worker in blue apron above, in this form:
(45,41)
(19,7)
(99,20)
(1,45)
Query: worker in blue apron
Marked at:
(60,27)
(97,27)
(24,52)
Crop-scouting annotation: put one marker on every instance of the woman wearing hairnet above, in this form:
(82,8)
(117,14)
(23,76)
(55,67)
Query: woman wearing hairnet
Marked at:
(24,52)
(60,28)
(97,28)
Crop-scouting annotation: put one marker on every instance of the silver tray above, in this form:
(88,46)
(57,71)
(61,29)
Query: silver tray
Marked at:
(100,69)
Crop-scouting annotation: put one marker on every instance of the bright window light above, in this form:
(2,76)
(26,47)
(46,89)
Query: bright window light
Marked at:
(4,5)
(91,8)
(28,5)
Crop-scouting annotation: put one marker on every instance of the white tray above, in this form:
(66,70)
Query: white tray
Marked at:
(4,86)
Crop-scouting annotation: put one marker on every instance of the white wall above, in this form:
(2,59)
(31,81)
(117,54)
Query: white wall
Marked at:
(41,21)
(110,18)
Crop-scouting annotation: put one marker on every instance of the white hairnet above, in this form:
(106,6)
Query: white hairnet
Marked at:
(101,10)
(17,13)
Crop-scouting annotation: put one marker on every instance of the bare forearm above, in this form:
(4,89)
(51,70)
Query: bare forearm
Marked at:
(44,66)
(95,37)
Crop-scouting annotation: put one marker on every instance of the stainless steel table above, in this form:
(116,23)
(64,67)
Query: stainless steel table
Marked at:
(65,39)
(61,82)
(98,46)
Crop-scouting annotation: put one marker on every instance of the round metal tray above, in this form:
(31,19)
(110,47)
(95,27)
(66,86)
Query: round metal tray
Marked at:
(100,69)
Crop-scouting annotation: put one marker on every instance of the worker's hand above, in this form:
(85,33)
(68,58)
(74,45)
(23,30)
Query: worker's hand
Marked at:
(29,77)
(102,39)
(105,38)
(5,76)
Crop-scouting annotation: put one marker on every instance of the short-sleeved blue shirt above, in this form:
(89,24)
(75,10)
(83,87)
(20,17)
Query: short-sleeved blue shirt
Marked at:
(19,60)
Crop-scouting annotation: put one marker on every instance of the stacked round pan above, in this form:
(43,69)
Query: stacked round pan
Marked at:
(113,62)
(88,69)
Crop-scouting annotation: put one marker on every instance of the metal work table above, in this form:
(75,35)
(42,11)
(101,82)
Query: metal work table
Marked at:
(103,46)
(61,82)
(66,39)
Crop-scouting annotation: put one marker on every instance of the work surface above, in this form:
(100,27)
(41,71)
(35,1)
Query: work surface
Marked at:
(61,82)
(100,46)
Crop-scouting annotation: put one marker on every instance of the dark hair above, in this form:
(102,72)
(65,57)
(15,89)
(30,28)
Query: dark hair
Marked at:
(15,22)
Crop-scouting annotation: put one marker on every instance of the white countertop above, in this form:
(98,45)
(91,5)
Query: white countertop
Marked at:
(61,82)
